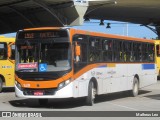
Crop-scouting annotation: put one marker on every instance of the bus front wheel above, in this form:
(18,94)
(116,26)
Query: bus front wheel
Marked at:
(91,94)
(43,101)
(1,84)
(135,88)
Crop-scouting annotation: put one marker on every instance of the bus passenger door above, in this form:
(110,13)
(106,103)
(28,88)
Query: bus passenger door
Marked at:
(79,47)
(10,63)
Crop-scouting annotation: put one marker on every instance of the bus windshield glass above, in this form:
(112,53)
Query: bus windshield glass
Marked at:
(43,55)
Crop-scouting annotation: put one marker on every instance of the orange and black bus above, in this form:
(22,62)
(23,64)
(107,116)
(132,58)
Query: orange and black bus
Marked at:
(65,62)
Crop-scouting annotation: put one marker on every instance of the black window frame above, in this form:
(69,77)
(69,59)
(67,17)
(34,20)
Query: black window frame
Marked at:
(94,49)
(158,50)
(12,57)
(121,50)
(5,51)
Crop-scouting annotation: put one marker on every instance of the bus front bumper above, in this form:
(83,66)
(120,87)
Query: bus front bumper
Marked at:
(65,92)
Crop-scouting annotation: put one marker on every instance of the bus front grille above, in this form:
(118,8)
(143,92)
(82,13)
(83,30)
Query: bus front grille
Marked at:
(40,91)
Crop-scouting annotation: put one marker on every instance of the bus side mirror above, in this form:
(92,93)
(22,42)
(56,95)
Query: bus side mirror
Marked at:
(78,50)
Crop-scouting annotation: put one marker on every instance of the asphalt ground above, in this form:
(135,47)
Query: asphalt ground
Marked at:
(147,100)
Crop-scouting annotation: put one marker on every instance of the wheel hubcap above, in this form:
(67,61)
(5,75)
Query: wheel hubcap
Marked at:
(135,88)
(93,93)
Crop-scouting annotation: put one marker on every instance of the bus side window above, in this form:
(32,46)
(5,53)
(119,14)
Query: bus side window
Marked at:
(13,52)
(107,50)
(95,47)
(116,50)
(81,41)
(137,51)
(127,51)
(151,52)
(3,51)
(158,50)
(145,52)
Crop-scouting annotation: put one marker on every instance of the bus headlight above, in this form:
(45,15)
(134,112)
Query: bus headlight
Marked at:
(18,85)
(64,83)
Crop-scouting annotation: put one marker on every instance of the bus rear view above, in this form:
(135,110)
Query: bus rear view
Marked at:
(43,64)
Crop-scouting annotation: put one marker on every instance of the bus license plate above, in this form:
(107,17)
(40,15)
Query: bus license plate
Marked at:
(38,93)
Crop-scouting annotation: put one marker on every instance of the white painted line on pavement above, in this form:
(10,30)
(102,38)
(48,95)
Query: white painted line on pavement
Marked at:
(123,106)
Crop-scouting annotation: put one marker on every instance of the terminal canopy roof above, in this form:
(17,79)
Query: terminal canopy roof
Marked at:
(20,14)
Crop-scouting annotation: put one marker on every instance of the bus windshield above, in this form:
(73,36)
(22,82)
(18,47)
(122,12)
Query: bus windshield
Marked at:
(43,56)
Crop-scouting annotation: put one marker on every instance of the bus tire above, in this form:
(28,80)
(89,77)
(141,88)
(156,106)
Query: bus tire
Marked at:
(91,94)
(1,84)
(135,87)
(43,101)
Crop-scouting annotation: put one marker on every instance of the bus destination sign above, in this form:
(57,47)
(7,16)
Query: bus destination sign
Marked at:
(42,34)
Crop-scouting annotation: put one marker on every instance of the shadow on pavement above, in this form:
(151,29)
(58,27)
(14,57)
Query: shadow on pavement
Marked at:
(156,96)
(141,92)
(69,102)
(118,95)
(52,103)
(8,89)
